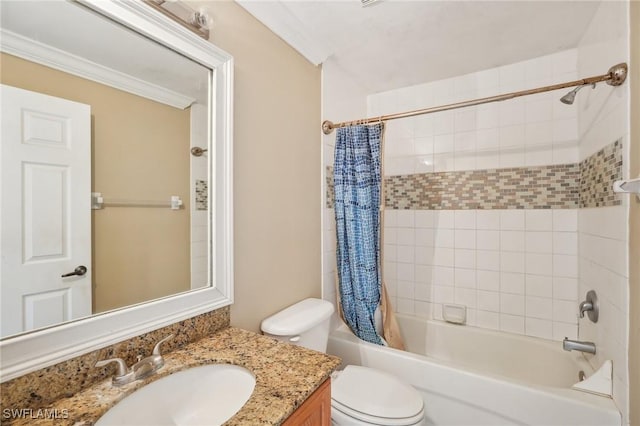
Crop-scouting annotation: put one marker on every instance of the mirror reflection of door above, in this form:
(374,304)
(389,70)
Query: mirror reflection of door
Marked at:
(46,217)
(149,107)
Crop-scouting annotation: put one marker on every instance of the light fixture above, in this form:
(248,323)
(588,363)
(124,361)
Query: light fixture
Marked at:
(196,21)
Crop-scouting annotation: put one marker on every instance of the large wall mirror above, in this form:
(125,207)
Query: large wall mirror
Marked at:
(115,177)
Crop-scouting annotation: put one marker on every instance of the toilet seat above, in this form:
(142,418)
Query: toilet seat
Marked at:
(375,397)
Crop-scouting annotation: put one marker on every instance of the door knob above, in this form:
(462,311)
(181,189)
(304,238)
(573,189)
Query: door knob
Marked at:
(79,271)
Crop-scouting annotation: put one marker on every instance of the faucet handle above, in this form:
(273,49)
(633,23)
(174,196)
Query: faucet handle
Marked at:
(122,366)
(156,348)
(590,306)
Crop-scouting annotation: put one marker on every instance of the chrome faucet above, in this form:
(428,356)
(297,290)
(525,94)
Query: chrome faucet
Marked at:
(590,306)
(138,371)
(574,345)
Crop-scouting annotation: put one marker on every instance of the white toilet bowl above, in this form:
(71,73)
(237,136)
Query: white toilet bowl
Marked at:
(359,395)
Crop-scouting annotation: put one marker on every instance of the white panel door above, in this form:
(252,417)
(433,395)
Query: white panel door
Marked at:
(45,210)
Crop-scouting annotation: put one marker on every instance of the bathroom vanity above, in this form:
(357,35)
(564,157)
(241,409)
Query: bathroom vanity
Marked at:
(292,383)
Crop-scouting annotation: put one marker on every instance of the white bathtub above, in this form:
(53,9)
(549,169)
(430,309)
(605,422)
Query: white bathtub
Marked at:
(471,376)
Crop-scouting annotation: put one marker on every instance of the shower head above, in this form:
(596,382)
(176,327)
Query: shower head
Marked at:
(571,96)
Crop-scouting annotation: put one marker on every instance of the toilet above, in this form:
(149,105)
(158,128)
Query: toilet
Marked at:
(359,395)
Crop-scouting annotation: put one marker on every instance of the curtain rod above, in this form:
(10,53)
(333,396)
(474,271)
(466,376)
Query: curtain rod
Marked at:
(616,75)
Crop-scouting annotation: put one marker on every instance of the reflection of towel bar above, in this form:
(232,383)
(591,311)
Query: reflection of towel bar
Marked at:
(98,202)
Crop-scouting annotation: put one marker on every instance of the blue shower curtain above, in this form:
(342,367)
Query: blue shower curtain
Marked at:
(357,200)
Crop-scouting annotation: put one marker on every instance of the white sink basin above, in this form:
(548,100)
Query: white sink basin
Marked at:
(205,395)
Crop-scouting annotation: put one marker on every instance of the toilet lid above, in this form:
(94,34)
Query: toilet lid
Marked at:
(365,393)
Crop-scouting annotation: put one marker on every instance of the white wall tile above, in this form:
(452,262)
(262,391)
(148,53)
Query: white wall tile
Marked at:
(565,288)
(539,328)
(443,276)
(443,294)
(422,293)
(539,307)
(424,237)
(539,285)
(489,320)
(539,135)
(512,220)
(512,283)
(405,254)
(539,220)
(565,220)
(423,274)
(465,239)
(465,278)
(465,219)
(565,266)
(405,236)
(511,323)
(488,280)
(465,258)
(443,143)
(425,255)
(488,260)
(444,219)
(512,240)
(539,263)
(444,238)
(487,139)
(562,330)
(423,218)
(565,311)
(539,109)
(565,243)
(405,289)
(488,301)
(443,123)
(512,136)
(488,240)
(405,272)
(512,261)
(512,304)
(540,242)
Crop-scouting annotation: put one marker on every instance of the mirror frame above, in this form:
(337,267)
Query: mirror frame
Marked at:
(29,352)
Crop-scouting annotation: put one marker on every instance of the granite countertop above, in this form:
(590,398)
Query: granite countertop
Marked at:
(285,376)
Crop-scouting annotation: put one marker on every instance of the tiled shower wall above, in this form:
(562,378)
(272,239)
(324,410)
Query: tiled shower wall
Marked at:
(482,202)
(508,254)
(603,233)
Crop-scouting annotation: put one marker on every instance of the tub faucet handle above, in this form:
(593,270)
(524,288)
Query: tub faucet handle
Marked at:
(585,306)
(590,306)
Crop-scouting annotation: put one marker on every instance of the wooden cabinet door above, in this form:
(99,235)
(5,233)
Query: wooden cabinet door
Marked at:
(315,411)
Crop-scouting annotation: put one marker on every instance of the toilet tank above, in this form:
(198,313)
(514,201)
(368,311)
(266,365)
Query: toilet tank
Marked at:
(305,323)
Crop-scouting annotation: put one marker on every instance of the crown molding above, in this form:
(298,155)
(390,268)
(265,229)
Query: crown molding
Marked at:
(43,54)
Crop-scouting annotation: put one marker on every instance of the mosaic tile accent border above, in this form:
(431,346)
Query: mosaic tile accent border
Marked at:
(597,174)
(546,187)
(564,186)
(201,194)
(331,194)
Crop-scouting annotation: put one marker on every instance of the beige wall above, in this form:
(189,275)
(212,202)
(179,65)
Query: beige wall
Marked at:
(140,151)
(276,167)
(634,229)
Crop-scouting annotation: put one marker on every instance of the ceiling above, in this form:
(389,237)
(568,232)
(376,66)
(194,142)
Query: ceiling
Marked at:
(393,43)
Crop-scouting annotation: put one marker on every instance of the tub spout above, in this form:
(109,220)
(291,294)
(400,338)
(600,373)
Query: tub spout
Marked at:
(574,345)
